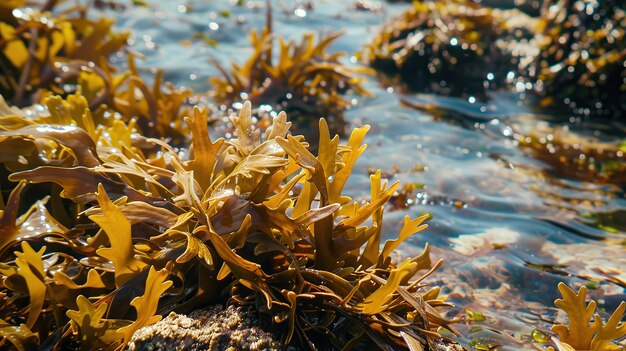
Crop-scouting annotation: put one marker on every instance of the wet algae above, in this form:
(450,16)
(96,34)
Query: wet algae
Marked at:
(117,208)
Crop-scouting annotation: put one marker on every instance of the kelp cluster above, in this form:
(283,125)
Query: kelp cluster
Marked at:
(109,197)
(581,62)
(572,55)
(530,7)
(44,53)
(124,220)
(586,331)
(305,80)
(571,155)
(453,48)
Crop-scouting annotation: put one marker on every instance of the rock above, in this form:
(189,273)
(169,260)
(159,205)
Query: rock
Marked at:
(233,328)
(454,48)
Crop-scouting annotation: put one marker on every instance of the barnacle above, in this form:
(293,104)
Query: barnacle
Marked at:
(583,333)
(453,48)
(306,81)
(581,63)
(151,230)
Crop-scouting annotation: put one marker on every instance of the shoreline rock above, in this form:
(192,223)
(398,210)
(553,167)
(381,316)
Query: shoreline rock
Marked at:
(214,328)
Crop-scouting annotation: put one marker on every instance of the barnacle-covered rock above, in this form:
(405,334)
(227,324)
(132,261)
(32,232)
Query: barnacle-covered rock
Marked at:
(582,64)
(453,48)
(212,329)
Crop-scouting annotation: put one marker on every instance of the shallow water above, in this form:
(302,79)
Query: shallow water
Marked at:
(509,228)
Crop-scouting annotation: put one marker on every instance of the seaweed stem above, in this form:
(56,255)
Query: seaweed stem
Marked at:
(32,46)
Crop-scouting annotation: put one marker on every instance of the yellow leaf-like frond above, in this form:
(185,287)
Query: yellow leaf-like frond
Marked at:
(613,330)
(304,158)
(88,321)
(580,332)
(410,227)
(146,305)
(117,228)
(21,337)
(348,159)
(204,150)
(376,302)
(31,269)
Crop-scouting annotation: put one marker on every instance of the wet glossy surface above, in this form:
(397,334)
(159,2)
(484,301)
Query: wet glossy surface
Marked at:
(508,226)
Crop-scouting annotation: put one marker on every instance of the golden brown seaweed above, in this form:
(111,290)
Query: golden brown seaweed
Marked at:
(583,333)
(156,232)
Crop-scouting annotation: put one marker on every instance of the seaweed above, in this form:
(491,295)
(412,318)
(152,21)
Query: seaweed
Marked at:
(454,48)
(572,155)
(530,7)
(580,67)
(63,52)
(158,109)
(305,81)
(42,50)
(583,333)
(254,220)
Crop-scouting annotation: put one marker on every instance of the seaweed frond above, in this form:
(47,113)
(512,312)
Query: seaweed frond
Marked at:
(572,155)
(583,333)
(159,109)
